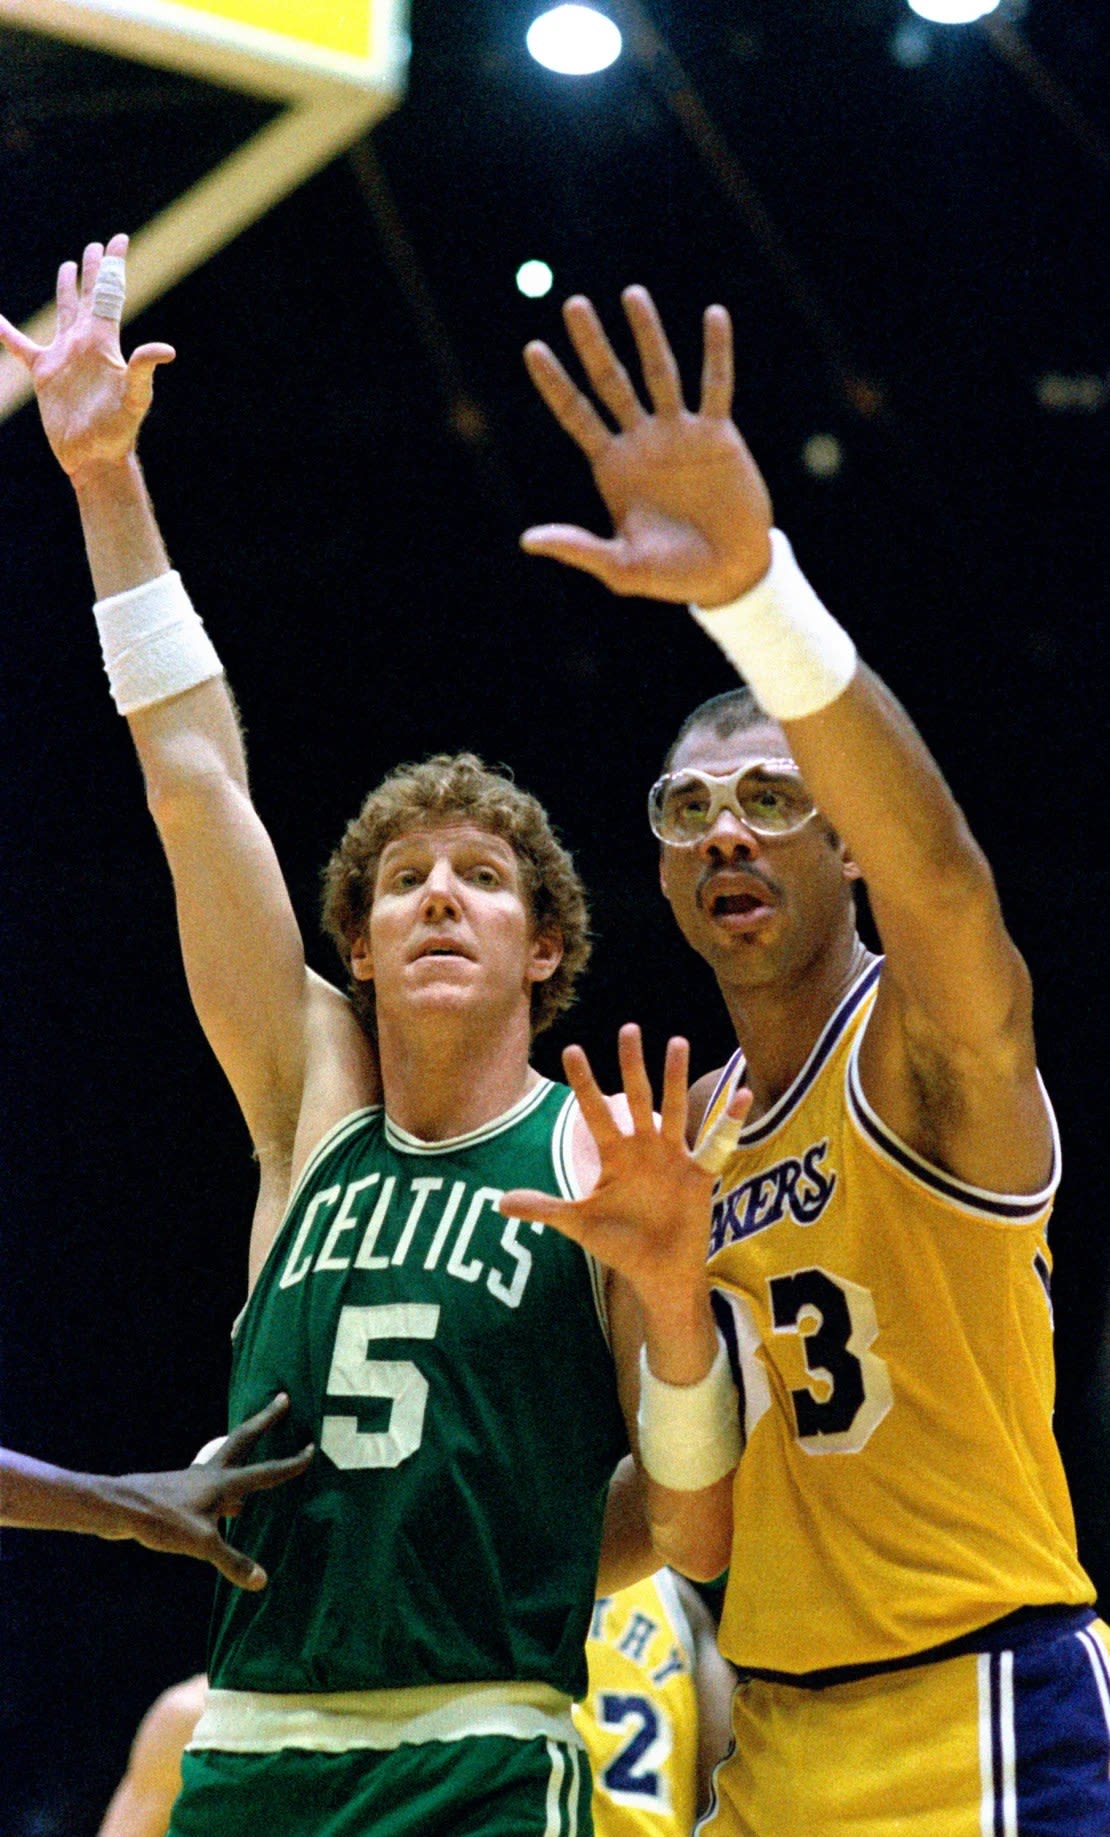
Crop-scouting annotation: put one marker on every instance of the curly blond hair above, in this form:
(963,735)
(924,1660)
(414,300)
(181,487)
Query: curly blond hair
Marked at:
(458,787)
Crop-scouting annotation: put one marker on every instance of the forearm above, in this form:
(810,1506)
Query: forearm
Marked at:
(685,1376)
(875,780)
(627,1551)
(122,539)
(40,1497)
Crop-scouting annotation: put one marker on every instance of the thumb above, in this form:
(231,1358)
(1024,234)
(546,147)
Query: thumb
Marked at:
(238,1568)
(141,366)
(577,548)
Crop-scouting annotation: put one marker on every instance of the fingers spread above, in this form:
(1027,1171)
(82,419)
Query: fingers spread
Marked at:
(243,1438)
(90,268)
(264,1475)
(720,1144)
(656,357)
(637,1084)
(717,364)
(595,1109)
(66,295)
(236,1567)
(606,558)
(573,411)
(675,1071)
(541,1209)
(607,374)
(14,341)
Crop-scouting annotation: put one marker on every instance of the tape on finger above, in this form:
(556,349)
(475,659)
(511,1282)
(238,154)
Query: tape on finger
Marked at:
(719,1145)
(110,288)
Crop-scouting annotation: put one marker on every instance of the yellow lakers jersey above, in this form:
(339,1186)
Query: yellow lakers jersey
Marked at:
(640,1718)
(892,1328)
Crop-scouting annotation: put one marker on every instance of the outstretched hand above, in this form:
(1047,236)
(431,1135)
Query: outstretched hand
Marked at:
(177,1512)
(691,514)
(91,401)
(647,1217)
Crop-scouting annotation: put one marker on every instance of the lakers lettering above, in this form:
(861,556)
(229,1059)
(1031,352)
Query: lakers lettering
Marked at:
(384,1223)
(798,1188)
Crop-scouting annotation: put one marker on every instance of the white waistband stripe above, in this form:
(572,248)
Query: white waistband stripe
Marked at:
(253,1722)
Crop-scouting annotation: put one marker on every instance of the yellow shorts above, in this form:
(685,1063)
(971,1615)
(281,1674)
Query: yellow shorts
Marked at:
(1014,1743)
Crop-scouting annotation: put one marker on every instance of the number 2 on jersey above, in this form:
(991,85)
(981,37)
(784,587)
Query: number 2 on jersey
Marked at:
(635,1772)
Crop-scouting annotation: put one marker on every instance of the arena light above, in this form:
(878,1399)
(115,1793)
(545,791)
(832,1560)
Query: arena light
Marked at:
(576,41)
(952,12)
(534,279)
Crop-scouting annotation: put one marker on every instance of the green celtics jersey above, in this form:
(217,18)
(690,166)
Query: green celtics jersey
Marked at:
(451,1367)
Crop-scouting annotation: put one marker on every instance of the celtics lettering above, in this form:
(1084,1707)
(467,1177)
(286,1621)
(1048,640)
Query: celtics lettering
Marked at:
(377,1223)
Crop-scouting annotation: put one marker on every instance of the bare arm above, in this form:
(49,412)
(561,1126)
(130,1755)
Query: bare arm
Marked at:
(242,947)
(627,1552)
(174,1512)
(647,1220)
(948,1059)
(143,1800)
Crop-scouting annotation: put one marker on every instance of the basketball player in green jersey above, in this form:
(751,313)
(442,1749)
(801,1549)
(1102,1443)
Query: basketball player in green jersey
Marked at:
(470,1381)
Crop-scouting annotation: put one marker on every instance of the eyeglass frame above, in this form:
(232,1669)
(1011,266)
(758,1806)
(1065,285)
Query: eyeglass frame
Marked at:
(722,792)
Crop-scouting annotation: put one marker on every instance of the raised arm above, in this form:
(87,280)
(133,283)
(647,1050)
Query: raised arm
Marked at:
(948,1060)
(242,947)
(645,1216)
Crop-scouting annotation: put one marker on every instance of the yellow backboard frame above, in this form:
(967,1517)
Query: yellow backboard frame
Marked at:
(334,95)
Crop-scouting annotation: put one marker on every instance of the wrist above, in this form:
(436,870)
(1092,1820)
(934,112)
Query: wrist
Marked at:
(756,569)
(153,643)
(794,656)
(689,1432)
(108,478)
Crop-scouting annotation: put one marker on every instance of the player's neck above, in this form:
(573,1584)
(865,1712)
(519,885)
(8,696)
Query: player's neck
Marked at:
(779,1023)
(449,1075)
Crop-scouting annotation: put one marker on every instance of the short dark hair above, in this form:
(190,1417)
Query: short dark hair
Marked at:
(445,788)
(733,712)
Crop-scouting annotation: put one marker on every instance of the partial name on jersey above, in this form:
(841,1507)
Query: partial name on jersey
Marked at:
(376,1223)
(797,1187)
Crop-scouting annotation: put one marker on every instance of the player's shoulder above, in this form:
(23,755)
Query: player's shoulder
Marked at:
(171,1718)
(699,1099)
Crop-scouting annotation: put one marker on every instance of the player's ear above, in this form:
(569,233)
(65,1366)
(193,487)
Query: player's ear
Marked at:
(545,953)
(850,869)
(362,962)
(663,875)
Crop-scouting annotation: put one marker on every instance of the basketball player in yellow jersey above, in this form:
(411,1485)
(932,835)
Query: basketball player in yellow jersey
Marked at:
(905,1599)
(656,1718)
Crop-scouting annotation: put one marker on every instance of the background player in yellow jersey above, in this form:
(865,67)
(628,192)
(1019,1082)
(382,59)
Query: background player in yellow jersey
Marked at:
(905,1598)
(656,1718)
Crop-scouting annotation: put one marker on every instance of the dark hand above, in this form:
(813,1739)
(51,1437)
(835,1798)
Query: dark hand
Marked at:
(177,1512)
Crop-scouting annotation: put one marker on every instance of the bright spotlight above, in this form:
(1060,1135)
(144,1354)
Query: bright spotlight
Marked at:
(574,40)
(952,12)
(534,279)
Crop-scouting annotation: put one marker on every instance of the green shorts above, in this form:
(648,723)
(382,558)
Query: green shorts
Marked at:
(478,1786)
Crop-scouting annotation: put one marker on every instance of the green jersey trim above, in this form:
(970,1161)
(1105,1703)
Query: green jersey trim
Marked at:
(408,1143)
(256,1722)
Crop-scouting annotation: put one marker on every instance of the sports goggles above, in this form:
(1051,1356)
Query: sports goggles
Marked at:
(767,795)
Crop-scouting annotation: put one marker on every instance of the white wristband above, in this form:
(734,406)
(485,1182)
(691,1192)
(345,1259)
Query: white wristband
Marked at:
(787,646)
(153,643)
(689,1433)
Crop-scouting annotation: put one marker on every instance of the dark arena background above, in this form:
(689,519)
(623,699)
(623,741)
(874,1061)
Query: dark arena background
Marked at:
(908,222)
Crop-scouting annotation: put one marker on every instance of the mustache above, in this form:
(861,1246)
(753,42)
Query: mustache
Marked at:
(753,874)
